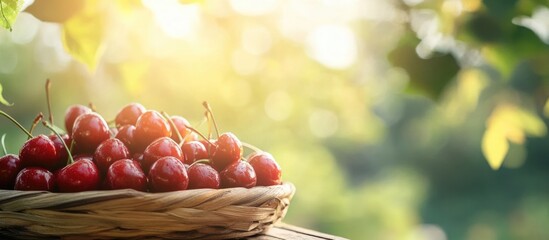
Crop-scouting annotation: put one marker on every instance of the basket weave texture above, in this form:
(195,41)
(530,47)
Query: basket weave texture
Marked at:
(190,214)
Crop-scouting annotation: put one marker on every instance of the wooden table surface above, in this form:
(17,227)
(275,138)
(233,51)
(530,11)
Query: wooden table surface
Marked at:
(286,231)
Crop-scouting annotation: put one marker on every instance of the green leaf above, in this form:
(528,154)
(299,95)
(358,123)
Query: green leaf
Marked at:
(2,99)
(8,12)
(427,76)
(82,37)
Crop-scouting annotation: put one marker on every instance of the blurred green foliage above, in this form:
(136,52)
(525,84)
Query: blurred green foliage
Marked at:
(382,113)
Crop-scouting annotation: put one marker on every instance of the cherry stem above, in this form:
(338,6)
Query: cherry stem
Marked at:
(209,109)
(72,144)
(4,144)
(172,124)
(112,122)
(49,126)
(16,123)
(48,87)
(200,161)
(92,107)
(37,119)
(252,147)
(200,134)
(207,117)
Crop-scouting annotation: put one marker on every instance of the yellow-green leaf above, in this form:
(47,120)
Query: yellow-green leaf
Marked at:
(508,123)
(9,9)
(83,36)
(494,146)
(532,124)
(2,99)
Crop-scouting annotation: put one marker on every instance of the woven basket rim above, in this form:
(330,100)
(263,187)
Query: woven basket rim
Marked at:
(196,214)
(133,192)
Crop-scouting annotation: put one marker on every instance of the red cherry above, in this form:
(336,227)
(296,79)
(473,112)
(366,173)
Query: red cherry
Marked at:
(62,155)
(193,150)
(168,174)
(208,144)
(138,157)
(162,147)
(149,127)
(181,124)
(89,131)
(267,170)
(34,179)
(82,175)
(129,114)
(40,151)
(203,176)
(126,134)
(10,165)
(238,174)
(191,136)
(72,113)
(126,173)
(108,152)
(227,150)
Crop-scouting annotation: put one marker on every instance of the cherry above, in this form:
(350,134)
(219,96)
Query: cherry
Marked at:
(208,144)
(168,174)
(194,150)
(34,179)
(203,176)
(149,127)
(126,173)
(181,124)
(226,151)
(10,165)
(126,134)
(108,152)
(40,151)
(82,175)
(238,174)
(89,131)
(72,113)
(138,157)
(129,114)
(266,169)
(62,154)
(83,156)
(192,136)
(161,147)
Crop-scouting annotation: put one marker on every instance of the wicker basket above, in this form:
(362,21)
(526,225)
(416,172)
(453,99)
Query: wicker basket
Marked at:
(189,214)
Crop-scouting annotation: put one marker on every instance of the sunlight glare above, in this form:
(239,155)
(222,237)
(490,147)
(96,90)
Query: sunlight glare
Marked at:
(333,46)
(254,8)
(175,19)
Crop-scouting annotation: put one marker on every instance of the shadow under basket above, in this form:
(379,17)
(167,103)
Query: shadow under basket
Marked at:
(189,214)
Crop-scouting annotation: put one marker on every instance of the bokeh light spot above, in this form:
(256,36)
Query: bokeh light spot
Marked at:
(256,40)
(333,46)
(323,123)
(254,8)
(279,105)
(244,63)
(24,29)
(175,19)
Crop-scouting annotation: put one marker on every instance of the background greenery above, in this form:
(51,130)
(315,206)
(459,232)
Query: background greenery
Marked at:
(414,119)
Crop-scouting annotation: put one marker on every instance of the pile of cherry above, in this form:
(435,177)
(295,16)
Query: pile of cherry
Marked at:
(145,151)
